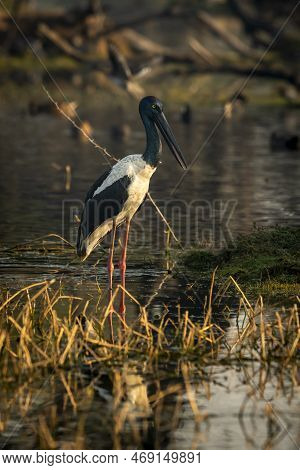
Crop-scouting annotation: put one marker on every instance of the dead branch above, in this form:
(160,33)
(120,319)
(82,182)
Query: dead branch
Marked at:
(207,56)
(140,19)
(141,43)
(119,63)
(60,27)
(227,36)
(62,44)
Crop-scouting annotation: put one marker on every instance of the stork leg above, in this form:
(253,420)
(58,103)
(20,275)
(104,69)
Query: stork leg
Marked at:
(110,265)
(123,267)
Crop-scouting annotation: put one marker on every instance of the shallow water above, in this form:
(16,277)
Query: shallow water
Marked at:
(235,183)
(235,164)
(227,418)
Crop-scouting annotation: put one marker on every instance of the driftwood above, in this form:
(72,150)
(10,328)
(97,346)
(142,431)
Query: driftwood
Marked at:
(141,43)
(121,73)
(140,19)
(212,63)
(202,52)
(227,36)
(62,43)
(78,30)
(73,19)
(120,67)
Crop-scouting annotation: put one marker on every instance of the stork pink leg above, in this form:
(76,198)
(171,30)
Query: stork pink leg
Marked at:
(122,307)
(110,265)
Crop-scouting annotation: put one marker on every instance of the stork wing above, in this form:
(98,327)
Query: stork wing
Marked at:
(100,208)
(97,185)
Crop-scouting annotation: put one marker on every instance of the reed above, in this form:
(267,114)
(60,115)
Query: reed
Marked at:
(41,326)
(46,335)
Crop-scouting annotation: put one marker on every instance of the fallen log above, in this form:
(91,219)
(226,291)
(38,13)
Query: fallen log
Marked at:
(202,52)
(141,43)
(227,36)
(63,44)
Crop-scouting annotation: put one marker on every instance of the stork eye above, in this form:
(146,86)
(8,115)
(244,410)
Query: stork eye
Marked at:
(154,106)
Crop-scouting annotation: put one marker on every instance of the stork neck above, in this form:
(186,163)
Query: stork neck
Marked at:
(153,147)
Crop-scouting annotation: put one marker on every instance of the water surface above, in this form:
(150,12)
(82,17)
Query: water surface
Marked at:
(235,183)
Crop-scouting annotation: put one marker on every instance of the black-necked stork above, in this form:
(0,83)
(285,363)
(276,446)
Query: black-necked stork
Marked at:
(117,195)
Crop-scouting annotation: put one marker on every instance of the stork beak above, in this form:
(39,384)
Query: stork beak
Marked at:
(166,131)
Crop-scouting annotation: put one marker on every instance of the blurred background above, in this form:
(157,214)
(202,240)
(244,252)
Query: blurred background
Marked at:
(97,44)
(228,73)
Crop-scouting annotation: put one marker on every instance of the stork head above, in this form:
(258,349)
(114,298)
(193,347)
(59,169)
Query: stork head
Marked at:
(152,108)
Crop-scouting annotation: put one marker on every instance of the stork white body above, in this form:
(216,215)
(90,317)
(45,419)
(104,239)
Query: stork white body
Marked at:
(132,166)
(127,183)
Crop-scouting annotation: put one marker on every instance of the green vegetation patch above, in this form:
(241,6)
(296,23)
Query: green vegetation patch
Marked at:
(265,261)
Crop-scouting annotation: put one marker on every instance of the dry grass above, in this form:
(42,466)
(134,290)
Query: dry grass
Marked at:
(41,326)
(46,335)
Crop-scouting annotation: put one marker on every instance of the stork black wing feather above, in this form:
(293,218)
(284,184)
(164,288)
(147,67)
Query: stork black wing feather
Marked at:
(96,185)
(103,206)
